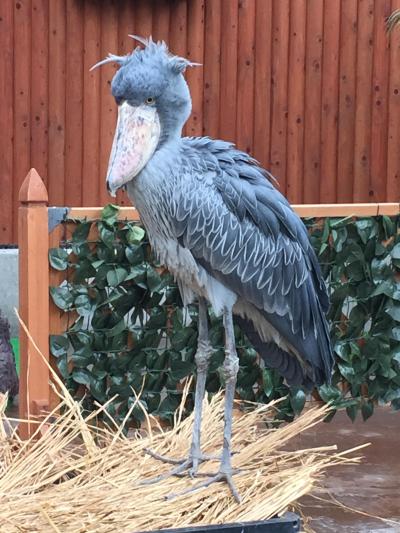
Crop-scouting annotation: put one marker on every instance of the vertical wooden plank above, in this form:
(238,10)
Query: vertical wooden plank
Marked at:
(33,297)
(379,125)
(245,79)
(228,83)
(362,140)
(177,27)
(6,121)
(178,31)
(126,27)
(59,321)
(194,75)
(295,134)
(73,104)
(347,93)
(39,86)
(313,84)
(330,100)
(143,18)
(393,152)
(280,49)
(262,82)
(22,100)
(212,63)
(56,101)
(161,21)
(126,45)
(91,104)
(108,108)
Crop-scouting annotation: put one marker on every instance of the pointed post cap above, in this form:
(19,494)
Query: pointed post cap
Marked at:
(33,190)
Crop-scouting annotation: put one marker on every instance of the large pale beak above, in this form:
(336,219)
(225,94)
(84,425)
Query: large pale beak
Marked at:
(136,138)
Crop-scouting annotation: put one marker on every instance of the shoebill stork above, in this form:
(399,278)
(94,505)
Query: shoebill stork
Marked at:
(215,219)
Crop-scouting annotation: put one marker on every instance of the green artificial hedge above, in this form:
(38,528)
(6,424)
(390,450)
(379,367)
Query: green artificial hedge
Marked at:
(129,329)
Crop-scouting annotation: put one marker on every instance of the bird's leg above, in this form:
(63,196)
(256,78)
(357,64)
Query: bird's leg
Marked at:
(202,357)
(231,367)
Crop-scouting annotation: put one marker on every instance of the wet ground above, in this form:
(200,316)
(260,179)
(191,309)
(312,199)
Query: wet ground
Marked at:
(372,486)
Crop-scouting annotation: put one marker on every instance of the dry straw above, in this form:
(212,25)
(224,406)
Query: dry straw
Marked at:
(75,477)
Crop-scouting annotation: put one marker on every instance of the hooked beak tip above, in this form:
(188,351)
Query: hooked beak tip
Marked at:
(111,191)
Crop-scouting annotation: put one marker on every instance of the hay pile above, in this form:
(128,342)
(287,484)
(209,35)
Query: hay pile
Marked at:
(78,478)
(73,476)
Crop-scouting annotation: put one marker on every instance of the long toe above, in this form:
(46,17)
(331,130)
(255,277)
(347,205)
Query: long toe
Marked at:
(220,476)
(164,458)
(188,466)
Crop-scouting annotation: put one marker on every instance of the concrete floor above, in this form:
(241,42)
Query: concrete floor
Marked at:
(372,486)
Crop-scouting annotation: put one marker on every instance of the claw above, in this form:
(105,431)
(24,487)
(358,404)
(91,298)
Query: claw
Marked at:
(220,476)
(191,464)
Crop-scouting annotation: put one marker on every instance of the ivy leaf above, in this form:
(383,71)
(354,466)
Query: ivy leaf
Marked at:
(180,338)
(267,382)
(59,344)
(134,254)
(395,253)
(117,329)
(109,214)
(116,276)
(154,280)
(352,412)
(107,236)
(367,409)
(329,393)
(62,365)
(81,232)
(181,369)
(83,304)
(347,371)
(394,312)
(62,297)
(135,235)
(297,400)
(395,354)
(82,357)
(168,406)
(97,264)
(82,376)
(58,258)
(395,333)
(98,389)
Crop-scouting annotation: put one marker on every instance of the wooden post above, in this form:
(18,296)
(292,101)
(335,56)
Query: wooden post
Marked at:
(33,298)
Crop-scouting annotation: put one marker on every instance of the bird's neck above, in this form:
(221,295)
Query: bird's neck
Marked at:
(149,189)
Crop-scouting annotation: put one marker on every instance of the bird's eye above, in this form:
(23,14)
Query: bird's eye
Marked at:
(150,100)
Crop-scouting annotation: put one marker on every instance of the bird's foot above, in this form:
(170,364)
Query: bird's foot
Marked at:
(190,464)
(220,476)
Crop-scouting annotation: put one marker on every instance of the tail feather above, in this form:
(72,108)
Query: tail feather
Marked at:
(288,365)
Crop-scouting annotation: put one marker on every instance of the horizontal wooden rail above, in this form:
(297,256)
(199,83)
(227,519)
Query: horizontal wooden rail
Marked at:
(38,231)
(304,211)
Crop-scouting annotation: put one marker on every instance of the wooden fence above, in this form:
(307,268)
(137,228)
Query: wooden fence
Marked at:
(310,87)
(39,232)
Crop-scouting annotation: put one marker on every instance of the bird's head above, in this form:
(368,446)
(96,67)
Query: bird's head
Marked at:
(154,103)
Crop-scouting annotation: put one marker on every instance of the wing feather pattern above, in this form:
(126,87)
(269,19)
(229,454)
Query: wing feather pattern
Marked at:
(245,234)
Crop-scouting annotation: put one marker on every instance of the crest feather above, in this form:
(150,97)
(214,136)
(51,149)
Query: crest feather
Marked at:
(111,58)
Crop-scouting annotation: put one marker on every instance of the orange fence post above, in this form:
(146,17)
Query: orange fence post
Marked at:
(33,243)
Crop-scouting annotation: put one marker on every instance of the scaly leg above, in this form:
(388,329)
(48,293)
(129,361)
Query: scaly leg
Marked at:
(202,357)
(231,367)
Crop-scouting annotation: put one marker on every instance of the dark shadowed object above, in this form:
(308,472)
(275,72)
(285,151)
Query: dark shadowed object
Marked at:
(8,372)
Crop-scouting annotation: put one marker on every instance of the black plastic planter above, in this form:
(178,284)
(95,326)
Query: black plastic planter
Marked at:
(289,523)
